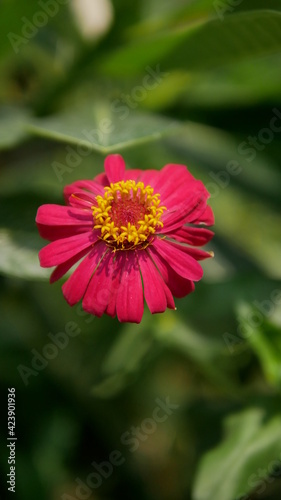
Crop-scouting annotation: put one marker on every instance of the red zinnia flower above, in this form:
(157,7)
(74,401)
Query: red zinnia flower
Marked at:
(132,230)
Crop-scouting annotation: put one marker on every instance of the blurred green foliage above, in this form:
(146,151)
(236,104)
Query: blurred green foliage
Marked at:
(192,82)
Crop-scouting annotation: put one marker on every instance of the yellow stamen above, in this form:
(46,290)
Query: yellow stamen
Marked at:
(128,215)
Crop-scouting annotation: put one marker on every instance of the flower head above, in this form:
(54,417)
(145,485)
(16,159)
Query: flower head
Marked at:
(136,234)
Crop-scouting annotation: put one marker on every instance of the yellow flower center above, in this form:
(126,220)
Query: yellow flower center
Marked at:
(128,214)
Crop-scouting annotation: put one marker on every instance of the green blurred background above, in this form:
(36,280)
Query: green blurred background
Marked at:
(192,82)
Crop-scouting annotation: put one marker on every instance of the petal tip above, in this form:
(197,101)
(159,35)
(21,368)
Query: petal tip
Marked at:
(114,166)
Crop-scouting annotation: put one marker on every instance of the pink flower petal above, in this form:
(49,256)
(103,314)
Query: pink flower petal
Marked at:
(170,179)
(58,232)
(58,215)
(207,217)
(99,291)
(133,174)
(81,199)
(182,263)
(75,287)
(185,191)
(60,270)
(179,286)
(116,281)
(169,297)
(129,298)
(89,187)
(59,251)
(196,253)
(180,193)
(55,221)
(181,212)
(114,167)
(156,292)
(149,177)
(183,195)
(196,236)
(101,179)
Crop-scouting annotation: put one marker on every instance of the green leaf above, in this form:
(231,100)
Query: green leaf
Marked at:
(241,84)
(19,255)
(201,46)
(243,460)
(104,128)
(238,37)
(12,121)
(263,336)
